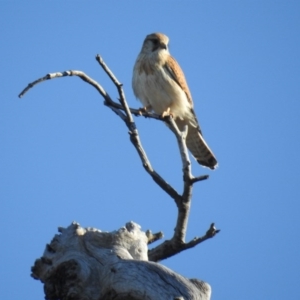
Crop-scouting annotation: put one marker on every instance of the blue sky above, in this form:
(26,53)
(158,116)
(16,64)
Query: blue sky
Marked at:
(64,156)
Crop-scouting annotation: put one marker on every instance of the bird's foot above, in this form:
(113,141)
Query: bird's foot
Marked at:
(167,113)
(145,109)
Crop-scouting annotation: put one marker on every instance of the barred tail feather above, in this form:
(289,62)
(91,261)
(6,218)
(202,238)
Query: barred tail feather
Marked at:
(200,150)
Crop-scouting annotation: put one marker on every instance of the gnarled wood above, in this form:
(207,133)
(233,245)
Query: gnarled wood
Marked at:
(88,264)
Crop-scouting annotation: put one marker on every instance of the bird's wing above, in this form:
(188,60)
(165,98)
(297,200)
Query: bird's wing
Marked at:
(194,140)
(173,69)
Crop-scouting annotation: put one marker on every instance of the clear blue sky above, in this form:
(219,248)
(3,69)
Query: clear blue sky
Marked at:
(64,156)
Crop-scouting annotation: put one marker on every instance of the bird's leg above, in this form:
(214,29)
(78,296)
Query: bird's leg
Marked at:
(145,109)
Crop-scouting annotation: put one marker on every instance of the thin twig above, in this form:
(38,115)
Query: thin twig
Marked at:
(118,85)
(80,74)
(199,178)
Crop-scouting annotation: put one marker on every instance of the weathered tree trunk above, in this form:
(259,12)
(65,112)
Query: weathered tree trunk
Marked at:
(88,264)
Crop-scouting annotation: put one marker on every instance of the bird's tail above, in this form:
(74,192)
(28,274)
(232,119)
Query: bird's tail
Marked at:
(198,147)
(200,150)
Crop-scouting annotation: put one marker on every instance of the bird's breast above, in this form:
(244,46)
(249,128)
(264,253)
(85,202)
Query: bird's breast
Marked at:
(159,90)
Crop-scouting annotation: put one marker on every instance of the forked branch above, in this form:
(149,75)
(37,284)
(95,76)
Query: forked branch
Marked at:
(183,200)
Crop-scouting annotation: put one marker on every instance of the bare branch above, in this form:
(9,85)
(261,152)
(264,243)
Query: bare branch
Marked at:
(80,74)
(134,137)
(183,201)
(169,248)
(210,233)
(107,99)
(177,243)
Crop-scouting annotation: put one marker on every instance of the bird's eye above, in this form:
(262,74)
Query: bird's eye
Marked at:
(155,42)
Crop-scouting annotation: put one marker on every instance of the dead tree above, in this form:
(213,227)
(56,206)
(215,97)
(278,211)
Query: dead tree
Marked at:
(88,264)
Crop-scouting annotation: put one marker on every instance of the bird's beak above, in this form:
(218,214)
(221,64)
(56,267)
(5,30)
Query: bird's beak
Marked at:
(163,46)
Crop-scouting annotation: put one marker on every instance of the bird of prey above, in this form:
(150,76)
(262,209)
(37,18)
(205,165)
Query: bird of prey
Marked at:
(159,83)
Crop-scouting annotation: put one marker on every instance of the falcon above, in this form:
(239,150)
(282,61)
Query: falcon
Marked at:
(159,83)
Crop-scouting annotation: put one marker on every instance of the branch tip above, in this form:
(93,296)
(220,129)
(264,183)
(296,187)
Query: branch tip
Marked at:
(199,178)
(212,231)
(153,237)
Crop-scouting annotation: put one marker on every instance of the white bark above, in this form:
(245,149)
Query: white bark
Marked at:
(88,264)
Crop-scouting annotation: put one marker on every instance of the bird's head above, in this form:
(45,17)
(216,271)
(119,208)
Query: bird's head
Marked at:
(155,43)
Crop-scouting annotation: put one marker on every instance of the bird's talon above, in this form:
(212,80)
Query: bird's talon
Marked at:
(144,110)
(167,113)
